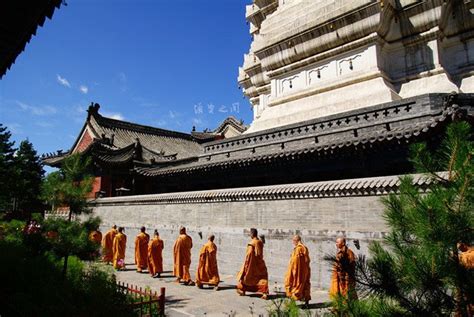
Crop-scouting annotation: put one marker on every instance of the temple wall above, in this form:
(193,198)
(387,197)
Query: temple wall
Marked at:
(318,211)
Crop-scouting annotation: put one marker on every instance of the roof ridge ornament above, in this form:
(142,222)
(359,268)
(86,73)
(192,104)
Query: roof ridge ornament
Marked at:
(93,109)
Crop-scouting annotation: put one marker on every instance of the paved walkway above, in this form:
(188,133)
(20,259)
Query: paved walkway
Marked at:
(184,300)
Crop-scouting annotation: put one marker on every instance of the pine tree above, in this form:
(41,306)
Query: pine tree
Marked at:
(417,272)
(7,170)
(69,187)
(28,181)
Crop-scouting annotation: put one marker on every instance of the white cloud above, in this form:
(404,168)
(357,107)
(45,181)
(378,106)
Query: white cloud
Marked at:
(84,89)
(122,77)
(14,128)
(197,121)
(44,124)
(63,81)
(173,114)
(113,115)
(37,111)
(160,123)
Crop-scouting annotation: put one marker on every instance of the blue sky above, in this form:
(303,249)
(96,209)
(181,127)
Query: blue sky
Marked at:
(171,64)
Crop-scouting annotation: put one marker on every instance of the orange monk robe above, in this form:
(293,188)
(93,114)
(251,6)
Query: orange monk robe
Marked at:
(155,256)
(107,244)
(253,276)
(298,276)
(343,274)
(182,257)
(95,236)
(141,251)
(467,258)
(119,246)
(207,272)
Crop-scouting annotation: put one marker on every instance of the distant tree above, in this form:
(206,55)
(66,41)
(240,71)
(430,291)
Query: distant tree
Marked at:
(27,184)
(7,170)
(418,272)
(68,188)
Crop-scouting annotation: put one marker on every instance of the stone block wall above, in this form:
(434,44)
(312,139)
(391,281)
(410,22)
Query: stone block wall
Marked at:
(318,211)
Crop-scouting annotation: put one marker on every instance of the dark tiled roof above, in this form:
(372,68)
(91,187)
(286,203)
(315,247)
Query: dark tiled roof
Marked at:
(208,136)
(19,21)
(154,139)
(135,153)
(204,136)
(238,125)
(120,142)
(397,122)
(339,188)
(54,159)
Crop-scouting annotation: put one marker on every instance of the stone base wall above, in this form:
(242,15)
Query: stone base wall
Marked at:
(319,212)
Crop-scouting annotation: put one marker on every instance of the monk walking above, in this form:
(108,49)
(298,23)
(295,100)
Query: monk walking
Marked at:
(464,304)
(343,272)
(119,246)
(96,236)
(155,256)
(182,257)
(298,276)
(107,244)
(207,272)
(141,250)
(253,277)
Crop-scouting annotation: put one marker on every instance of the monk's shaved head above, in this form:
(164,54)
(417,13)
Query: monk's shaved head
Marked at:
(142,229)
(211,238)
(296,239)
(253,232)
(114,226)
(182,230)
(340,242)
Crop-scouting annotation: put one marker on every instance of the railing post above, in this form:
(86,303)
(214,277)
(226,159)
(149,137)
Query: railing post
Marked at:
(149,303)
(162,301)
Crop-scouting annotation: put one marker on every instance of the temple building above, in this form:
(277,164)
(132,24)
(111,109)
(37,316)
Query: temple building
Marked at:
(122,152)
(339,89)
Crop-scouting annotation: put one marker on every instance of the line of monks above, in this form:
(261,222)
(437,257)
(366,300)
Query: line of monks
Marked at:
(253,276)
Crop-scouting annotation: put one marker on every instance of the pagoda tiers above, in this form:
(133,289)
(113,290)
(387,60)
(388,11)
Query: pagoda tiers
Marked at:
(313,58)
(135,159)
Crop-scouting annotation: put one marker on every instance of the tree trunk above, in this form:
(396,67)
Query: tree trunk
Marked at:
(65,265)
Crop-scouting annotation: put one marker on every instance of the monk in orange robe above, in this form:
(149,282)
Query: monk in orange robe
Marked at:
(343,272)
(107,243)
(298,276)
(466,257)
(182,257)
(96,236)
(155,256)
(141,250)
(253,277)
(464,306)
(119,247)
(207,272)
